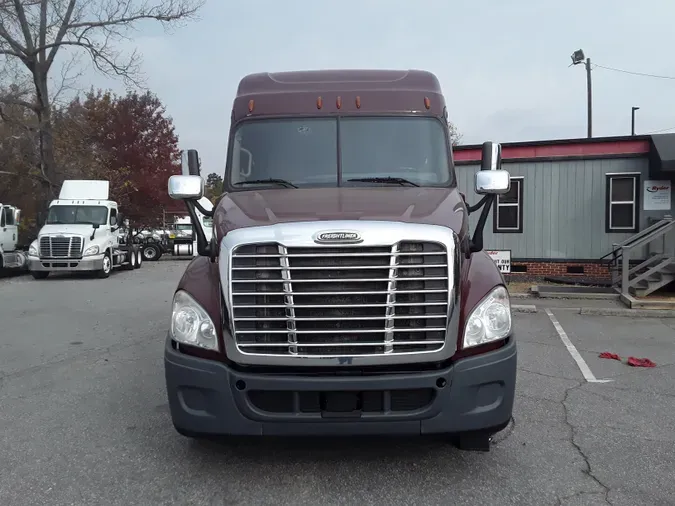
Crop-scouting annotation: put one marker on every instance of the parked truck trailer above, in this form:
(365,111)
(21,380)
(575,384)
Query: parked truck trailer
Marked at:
(342,291)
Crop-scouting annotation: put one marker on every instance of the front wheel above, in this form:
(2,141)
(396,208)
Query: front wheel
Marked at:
(139,258)
(106,267)
(39,274)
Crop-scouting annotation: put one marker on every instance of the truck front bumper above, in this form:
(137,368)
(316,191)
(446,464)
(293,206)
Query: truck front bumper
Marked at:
(208,397)
(90,263)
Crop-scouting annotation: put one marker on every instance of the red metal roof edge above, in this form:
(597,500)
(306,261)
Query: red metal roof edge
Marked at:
(561,148)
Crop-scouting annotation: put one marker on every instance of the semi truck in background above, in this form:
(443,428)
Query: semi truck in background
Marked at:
(184,238)
(180,240)
(11,257)
(341,291)
(82,234)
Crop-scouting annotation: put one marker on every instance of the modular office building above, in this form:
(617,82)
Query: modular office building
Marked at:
(571,200)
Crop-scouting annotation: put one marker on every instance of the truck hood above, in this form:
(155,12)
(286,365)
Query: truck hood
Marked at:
(433,206)
(80,229)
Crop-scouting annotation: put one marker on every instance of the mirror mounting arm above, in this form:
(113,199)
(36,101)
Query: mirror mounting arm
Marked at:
(477,206)
(204,211)
(477,239)
(202,245)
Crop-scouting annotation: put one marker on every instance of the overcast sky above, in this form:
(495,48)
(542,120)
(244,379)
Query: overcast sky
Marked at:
(503,65)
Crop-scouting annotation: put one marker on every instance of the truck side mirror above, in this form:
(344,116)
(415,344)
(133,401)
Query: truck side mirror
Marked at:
(190,163)
(491,179)
(186,187)
(491,156)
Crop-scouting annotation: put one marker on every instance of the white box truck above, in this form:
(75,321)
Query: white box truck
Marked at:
(81,234)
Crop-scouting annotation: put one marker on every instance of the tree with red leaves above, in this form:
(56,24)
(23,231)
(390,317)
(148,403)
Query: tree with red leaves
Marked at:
(136,148)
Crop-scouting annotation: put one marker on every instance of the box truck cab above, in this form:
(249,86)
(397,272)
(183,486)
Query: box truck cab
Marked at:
(342,291)
(81,234)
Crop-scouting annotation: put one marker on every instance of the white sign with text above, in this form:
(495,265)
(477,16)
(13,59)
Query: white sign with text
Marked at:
(656,195)
(502,258)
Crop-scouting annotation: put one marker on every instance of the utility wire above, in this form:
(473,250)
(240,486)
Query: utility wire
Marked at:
(672,78)
(660,131)
(641,74)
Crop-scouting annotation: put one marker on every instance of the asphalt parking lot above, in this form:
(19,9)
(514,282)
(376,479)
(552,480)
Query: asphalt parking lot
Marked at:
(84,417)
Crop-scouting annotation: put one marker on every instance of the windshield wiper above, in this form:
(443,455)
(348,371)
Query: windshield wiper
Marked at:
(280,182)
(392,180)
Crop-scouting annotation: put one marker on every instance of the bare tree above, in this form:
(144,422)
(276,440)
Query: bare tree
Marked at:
(455,136)
(33,32)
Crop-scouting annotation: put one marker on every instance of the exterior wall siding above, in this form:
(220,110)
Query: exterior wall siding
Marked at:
(564,206)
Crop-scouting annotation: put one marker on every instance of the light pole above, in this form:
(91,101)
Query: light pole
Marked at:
(632,119)
(577,58)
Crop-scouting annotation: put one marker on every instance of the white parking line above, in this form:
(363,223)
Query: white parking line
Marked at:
(583,366)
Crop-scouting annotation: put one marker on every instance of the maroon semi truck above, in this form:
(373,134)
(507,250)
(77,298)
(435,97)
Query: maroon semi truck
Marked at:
(342,292)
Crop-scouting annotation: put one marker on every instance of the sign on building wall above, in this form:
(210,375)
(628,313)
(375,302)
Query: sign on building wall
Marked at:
(502,258)
(656,195)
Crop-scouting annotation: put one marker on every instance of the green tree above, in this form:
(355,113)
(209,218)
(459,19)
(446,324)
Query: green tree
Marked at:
(214,186)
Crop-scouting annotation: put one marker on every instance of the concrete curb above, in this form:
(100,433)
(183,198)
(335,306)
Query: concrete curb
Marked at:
(600,311)
(636,313)
(517,308)
(579,296)
(521,296)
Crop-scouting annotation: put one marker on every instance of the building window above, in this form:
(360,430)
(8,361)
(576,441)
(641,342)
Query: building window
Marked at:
(508,212)
(622,205)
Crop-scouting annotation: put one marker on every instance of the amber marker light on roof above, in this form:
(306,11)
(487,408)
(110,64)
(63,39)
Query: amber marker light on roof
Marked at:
(250,105)
(338,102)
(319,103)
(427,103)
(358,102)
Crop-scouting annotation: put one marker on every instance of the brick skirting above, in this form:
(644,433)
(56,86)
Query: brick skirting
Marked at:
(566,269)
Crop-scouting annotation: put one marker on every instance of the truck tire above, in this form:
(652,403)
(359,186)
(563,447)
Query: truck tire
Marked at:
(139,258)
(105,270)
(39,274)
(152,252)
(131,259)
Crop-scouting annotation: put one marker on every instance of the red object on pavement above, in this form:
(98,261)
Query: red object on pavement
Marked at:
(607,354)
(640,362)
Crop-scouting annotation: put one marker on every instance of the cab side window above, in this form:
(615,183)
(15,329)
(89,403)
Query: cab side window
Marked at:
(2,217)
(113,217)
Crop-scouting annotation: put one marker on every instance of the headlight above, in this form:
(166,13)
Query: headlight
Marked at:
(91,250)
(490,320)
(191,324)
(32,250)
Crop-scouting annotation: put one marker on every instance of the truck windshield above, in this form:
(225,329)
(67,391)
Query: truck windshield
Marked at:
(304,152)
(71,215)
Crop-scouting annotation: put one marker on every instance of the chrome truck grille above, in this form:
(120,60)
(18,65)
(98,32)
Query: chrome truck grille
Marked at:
(61,246)
(342,301)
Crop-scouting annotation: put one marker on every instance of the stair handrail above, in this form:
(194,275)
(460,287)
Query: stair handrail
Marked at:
(617,248)
(654,231)
(653,227)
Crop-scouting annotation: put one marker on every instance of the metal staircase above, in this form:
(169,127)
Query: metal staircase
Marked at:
(655,271)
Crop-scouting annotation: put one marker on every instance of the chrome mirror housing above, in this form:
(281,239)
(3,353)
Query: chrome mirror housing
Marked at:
(186,187)
(488,182)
